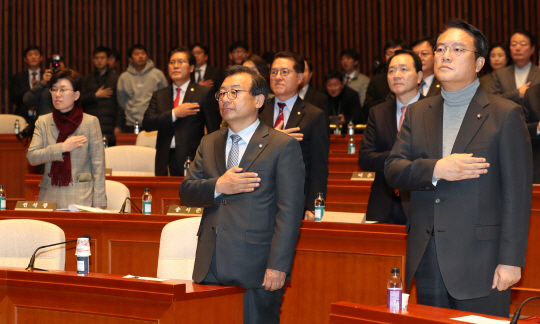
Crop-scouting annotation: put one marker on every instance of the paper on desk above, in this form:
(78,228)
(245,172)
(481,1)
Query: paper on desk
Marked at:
(75,208)
(479,320)
(144,278)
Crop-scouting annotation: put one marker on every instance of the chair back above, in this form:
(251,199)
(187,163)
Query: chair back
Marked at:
(131,160)
(147,139)
(116,195)
(19,238)
(177,249)
(7,123)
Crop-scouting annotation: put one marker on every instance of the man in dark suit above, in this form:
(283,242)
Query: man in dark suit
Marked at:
(531,108)
(429,86)
(309,94)
(179,113)
(204,74)
(344,102)
(23,81)
(513,81)
(248,179)
(466,158)
(378,89)
(386,204)
(300,119)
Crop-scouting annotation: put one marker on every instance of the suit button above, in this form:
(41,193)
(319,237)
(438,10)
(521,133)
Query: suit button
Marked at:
(437,200)
(428,230)
(224,202)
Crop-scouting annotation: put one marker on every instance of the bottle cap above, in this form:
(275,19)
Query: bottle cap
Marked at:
(146,189)
(394,270)
(1,186)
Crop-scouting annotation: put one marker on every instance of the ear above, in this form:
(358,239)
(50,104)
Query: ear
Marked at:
(77,95)
(480,64)
(420,76)
(191,68)
(300,77)
(259,100)
(130,60)
(230,56)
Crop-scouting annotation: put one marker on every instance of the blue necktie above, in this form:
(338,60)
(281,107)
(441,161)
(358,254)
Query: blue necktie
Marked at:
(199,75)
(234,152)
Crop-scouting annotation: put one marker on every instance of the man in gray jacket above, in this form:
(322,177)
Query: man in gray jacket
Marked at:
(136,85)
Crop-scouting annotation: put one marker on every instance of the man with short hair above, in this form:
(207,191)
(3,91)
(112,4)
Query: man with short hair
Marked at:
(180,113)
(466,158)
(238,52)
(378,89)
(292,115)
(204,74)
(309,94)
(351,75)
(99,95)
(136,86)
(429,86)
(386,204)
(23,81)
(513,81)
(114,60)
(249,180)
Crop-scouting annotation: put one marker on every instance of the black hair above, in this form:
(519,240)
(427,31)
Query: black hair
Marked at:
(333,75)
(505,49)
(299,65)
(136,47)
(419,41)
(205,48)
(114,52)
(309,64)
(182,49)
(350,52)
(480,40)
(526,33)
(72,76)
(102,49)
(415,57)
(258,83)
(239,43)
(31,48)
(395,42)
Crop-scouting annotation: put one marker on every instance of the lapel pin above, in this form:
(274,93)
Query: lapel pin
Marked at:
(478,116)
(192,89)
(438,85)
(298,113)
(260,145)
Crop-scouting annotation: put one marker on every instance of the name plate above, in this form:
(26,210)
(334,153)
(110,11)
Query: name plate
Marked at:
(35,206)
(363,176)
(175,210)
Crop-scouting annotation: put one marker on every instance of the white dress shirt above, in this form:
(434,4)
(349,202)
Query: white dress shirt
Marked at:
(286,111)
(183,89)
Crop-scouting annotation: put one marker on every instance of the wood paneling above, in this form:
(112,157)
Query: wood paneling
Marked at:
(318,29)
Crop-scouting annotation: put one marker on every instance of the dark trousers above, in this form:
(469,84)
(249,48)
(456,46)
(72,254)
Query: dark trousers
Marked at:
(396,214)
(260,306)
(175,168)
(432,291)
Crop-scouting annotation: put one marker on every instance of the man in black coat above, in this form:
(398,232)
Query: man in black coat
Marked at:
(309,94)
(205,74)
(180,113)
(531,107)
(23,81)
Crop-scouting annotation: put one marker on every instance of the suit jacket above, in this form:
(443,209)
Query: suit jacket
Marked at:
(87,163)
(377,91)
(319,99)
(211,73)
(315,144)
(20,84)
(434,89)
(256,230)
(504,82)
(477,223)
(187,131)
(531,108)
(377,142)
(487,82)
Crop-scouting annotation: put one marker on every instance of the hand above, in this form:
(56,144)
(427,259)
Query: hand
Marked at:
(104,92)
(274,280)
(457,167)
(538,128)
(308,215)
(73,142)
(117,130)
(233,181)
(47,75)
(342,119)
(186,109)
(290,131)
(207,83)
(523,89)
(505,276)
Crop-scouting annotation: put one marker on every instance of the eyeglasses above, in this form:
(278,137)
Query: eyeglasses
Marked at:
(180,62)
(455,50)
(238,52)
(62,90)
(231,94)
(284,72)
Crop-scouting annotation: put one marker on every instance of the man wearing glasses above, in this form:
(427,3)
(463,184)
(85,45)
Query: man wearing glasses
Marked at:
(179,113)
(238,52)
(429,86)
(290,114)
(466,158)
(248,179)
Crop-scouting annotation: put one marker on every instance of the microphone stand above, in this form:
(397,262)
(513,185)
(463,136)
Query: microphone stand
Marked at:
(33,258)
(516,314)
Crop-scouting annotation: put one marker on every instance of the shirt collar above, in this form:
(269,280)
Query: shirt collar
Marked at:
(525,68)
(429,80)
(245,133)
(183,86)
(289,102)
(413,100)
(303,91)
(202,67)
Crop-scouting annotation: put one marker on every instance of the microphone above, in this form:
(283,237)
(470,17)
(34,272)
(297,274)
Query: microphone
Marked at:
(33,258)
(516,315)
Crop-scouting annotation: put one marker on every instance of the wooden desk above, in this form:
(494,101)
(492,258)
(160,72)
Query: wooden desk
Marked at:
(351,313)
(65,297)
(340,143)
(126,139)
(14,164)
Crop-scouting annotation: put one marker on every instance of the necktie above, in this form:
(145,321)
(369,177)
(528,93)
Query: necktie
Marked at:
(279,118)
(403,110)
(234,152)
(347,80)
(199,75)
(177,100)
(34,77)
(422,86)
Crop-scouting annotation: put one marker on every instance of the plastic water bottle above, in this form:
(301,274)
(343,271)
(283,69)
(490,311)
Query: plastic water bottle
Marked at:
(105,142)
(2,198)
(147,202)
(319,207)
(186,165)
(395,289)
(350,126)
(17,127)
(136,128)
(352,147)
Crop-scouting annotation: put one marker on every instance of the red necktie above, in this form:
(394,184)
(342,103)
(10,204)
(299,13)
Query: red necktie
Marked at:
(279,118)
(177,100)
(34,77)
(347,80)
(403,110)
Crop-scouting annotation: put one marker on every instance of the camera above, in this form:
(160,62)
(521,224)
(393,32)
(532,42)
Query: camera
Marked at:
(55,62)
